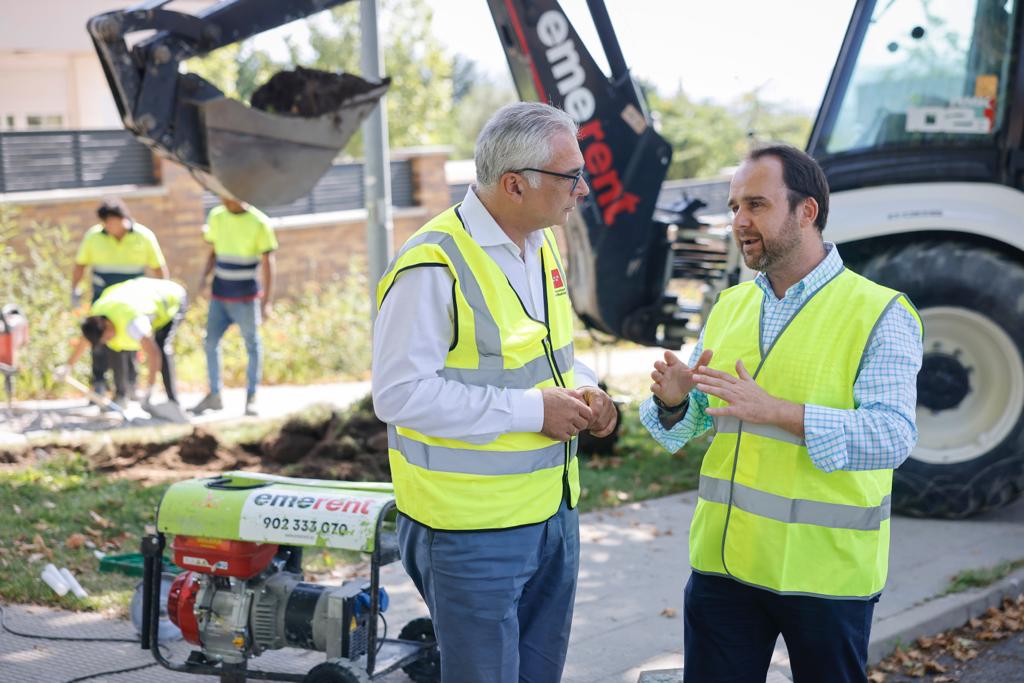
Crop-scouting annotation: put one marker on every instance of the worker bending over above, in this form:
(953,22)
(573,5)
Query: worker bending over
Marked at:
(143,313)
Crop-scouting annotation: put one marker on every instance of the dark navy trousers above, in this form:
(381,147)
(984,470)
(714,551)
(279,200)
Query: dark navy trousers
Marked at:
(730,631)
(501,601)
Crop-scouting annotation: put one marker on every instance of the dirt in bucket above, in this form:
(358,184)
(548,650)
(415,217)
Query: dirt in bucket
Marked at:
(308,92)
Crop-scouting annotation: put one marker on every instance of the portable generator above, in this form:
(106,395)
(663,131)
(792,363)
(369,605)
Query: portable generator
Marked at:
(13,336)
(239,537)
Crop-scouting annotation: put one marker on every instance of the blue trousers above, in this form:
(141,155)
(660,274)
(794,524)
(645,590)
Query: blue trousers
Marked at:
(501,601)
(246,314)
(730,631)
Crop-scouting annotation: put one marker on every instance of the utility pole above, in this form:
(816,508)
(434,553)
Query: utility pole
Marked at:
(377,167)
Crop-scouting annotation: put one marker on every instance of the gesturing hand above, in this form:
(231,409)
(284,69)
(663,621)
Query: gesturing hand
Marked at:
(673,379)
(566,414)
(747,400)
(604,414)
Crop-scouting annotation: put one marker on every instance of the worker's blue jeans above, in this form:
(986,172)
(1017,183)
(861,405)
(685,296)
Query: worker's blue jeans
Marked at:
(501,601)
(246,314)
(730,631)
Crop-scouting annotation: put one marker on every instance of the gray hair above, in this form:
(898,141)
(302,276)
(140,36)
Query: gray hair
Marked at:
(519,136)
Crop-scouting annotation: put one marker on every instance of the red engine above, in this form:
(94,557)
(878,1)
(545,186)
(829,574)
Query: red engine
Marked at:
(238,559)
(215,557)
(13,334)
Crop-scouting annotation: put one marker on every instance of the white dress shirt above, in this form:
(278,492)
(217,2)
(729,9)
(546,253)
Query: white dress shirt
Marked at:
(413,332)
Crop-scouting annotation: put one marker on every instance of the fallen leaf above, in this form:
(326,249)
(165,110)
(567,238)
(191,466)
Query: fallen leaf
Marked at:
(75,540)
(49,505)
(669,613)
(877,677)
(99,519)
(933,667)
(926,643)
(35,557)
(17,510)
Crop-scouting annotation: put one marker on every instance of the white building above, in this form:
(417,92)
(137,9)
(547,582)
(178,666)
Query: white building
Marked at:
(50,76)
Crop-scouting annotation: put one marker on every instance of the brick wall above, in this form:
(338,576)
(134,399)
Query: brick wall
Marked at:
(318,247)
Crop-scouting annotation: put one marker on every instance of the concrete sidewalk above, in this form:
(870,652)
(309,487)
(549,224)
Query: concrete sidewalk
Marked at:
(628,604)
(67,416)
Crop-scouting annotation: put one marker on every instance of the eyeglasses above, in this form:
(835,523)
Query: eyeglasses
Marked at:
(574,178)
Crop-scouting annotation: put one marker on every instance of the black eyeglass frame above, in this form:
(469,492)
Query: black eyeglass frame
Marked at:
(574,178)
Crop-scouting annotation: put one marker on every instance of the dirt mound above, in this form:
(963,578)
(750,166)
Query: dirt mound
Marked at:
(308,92)
(349,446)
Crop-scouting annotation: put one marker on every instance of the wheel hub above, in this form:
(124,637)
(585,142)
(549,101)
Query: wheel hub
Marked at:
(943,382)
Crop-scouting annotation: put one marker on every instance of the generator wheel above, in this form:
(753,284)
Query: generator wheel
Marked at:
(427,669)
(970,405)
(337,671)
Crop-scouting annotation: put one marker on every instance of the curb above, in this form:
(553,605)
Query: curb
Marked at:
(941,614)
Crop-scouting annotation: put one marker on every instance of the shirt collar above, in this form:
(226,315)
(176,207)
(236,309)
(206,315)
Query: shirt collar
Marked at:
(829,267)
(130,228)
(486,231)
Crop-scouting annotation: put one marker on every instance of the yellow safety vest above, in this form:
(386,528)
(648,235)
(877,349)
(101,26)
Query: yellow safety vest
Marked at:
(766,515)
(115,260)
(155,298)
(518,478)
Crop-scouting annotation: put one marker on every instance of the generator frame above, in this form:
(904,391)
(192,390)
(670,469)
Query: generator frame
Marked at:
(385,551)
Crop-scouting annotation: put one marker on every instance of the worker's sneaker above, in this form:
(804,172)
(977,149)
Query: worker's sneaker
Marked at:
(250,405)
(210,402)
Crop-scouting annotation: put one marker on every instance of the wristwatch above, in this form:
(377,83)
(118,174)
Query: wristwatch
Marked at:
(671,411)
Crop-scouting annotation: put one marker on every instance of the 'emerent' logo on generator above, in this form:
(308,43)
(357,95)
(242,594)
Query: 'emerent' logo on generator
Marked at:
(360,506)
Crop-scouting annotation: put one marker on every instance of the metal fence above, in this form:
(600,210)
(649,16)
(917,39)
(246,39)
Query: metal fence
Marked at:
(51,160)
(340,189)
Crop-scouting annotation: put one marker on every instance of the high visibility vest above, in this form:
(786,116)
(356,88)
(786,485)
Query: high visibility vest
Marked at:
(115,260)
(239,242)
(157,299)
(766,515)
(518,478)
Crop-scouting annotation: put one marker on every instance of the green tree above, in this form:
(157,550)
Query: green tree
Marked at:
(478,104)
(419,102)
(220,67)
(705,137)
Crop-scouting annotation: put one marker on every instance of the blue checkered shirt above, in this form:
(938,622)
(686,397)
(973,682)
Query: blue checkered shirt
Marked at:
(879,433)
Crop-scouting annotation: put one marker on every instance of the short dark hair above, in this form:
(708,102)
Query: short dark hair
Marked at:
(92,328)
(802,175)
(113,208)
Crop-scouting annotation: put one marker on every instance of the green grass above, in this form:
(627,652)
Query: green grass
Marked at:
(979,578)
(44,506)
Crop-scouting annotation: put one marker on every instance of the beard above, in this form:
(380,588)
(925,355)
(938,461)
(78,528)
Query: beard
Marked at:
(777,250)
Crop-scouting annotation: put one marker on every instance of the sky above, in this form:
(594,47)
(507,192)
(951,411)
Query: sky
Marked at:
(712,49)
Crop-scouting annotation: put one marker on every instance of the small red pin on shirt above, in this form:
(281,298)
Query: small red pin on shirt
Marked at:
(556,278)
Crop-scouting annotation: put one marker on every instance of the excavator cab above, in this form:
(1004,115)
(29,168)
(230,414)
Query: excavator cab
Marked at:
(267,157)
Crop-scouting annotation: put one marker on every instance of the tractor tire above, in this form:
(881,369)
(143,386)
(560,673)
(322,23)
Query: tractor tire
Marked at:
(970,405)
(427,669)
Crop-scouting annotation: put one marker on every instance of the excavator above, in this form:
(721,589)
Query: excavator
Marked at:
(920,132)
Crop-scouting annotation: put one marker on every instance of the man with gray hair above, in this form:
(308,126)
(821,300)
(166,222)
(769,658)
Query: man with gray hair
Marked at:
(473,371)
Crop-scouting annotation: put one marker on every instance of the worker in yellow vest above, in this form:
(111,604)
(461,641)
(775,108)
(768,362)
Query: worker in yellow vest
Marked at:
(141,313)
(242,246)
(807,374)
(473,371)
(116,249)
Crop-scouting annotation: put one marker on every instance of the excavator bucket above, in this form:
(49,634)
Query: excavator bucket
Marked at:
(270,159)
(271,153)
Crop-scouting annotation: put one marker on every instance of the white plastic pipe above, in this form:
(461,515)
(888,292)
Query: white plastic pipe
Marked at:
(54,580)
(72,583)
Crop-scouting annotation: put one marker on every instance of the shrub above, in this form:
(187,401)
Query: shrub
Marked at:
(321,334)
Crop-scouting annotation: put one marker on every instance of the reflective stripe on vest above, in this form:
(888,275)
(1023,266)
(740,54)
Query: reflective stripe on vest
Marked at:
(519,478)
(104,276)
(766,515)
